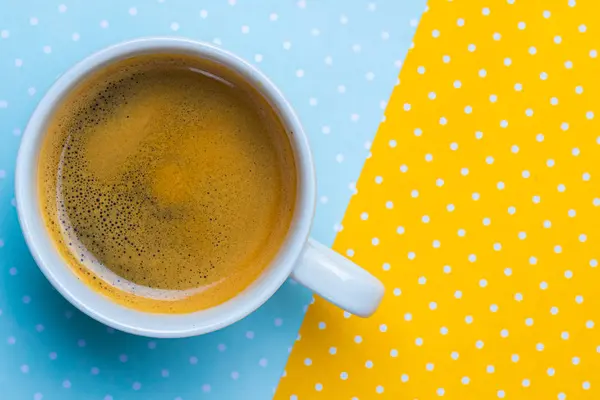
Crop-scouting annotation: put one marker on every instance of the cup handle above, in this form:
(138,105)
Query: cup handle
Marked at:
(338,279)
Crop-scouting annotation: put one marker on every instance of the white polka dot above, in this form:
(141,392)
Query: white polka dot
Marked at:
(529,321)
(539,347)
(518,297)
(522,235)
(507,62)
(469,319)
(532,260)
(589,324)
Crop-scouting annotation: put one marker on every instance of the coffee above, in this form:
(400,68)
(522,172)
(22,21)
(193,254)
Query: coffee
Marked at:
(167,182)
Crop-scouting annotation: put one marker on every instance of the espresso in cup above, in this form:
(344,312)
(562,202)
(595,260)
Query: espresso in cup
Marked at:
(168,183)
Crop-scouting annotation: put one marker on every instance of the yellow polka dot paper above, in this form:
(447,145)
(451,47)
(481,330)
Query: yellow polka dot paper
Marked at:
(480,211)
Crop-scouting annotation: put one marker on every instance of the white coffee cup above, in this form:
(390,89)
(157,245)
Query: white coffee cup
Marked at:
(316,266)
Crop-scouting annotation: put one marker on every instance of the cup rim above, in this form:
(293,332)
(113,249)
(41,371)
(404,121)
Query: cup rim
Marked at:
(98,306)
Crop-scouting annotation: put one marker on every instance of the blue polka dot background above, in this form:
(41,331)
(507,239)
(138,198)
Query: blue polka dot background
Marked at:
(337,63)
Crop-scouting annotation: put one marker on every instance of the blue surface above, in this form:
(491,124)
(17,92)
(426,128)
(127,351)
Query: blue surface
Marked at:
(348,52)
